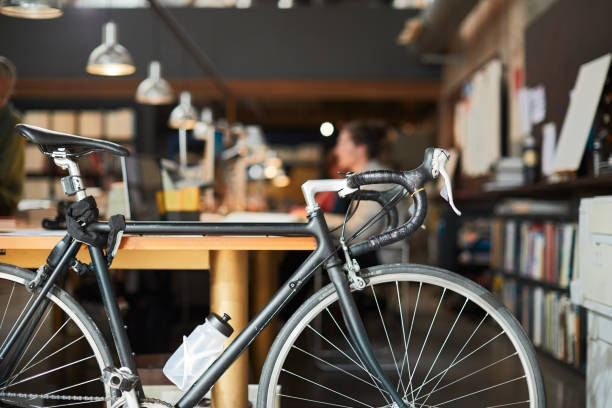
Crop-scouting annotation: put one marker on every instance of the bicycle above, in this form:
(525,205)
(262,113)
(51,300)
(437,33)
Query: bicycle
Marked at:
(419,359)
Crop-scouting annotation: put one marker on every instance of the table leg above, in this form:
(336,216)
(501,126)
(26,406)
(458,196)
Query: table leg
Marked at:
(229,294)
(265,283)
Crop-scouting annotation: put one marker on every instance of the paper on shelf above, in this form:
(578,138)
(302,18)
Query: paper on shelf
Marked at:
(537,104)
(549,136)
(580,114)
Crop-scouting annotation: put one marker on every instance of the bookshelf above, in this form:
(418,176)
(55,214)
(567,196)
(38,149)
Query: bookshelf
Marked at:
(584,186)
(532,282)
(534,259)
(560,330)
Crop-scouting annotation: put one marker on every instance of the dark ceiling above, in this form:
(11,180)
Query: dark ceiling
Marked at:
(284,67)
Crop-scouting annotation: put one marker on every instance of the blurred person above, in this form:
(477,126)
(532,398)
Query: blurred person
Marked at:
(12,145)
(358,147)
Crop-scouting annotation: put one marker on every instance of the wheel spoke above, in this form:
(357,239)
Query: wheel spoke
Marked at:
(481,390)
(55,360)
(399,303)
(55,352)
(17,320)
(509,404)
(315,401)
(454,362)
(372,377)
(40,325)
(433,319)
(406,354)
(362,366)
(49,371)
(334,366)
(336,347)
(466,376)
(73,386)
(387,335)
(27,365)
(441,348)
(326,388)
(8,302)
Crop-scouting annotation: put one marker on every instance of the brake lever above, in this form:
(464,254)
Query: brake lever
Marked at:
(441,156)
(447,191)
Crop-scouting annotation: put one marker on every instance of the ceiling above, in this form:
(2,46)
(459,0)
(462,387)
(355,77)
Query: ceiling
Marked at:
(282,67)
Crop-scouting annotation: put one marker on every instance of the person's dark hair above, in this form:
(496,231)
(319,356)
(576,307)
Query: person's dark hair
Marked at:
(370,133)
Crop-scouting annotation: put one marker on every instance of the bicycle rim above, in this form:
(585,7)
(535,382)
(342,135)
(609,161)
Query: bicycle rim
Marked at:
(62,360)
(441,339)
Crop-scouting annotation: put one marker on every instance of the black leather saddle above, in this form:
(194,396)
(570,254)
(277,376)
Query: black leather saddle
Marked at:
(49,141)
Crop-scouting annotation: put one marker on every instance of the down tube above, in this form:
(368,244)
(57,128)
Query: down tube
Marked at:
(286,292)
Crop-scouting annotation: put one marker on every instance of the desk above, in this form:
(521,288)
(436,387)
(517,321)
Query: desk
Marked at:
(226,257)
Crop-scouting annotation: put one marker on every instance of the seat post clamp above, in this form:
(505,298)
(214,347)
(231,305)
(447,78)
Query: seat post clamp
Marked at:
(72,184)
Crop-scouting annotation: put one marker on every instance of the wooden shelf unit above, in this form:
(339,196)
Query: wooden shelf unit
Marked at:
(482,203)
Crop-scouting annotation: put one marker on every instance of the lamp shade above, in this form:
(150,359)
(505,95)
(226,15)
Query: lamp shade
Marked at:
(184,115)
(205,127)
(110,58)
(154,90)
(34,9)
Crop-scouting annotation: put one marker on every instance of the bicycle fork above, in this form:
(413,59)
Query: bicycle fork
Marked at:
(357,331)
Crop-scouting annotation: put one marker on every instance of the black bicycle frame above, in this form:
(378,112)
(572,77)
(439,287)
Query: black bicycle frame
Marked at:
(324,255)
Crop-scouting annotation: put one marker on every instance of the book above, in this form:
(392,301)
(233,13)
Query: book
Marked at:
(538,264)
(538,300)
(535,250)
(569,233)
(510,238)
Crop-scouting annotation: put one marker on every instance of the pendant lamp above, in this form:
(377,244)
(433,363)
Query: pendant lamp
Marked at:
(34,9)
(110,58)
(154,90)
(205,126)
(183,117)
(184,114)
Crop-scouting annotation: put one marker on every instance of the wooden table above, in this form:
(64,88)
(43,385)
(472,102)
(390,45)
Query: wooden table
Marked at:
(226,257)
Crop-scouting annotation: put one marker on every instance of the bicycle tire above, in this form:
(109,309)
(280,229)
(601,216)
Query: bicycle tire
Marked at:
(34,376)
(287,350)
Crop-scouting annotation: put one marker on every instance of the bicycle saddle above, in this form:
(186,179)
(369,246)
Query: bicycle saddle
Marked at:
(49,141)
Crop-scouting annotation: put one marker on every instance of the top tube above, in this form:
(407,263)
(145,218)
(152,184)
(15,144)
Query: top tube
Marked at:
(299,229)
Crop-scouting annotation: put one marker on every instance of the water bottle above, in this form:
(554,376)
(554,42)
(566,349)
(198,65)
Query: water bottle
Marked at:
(198,351)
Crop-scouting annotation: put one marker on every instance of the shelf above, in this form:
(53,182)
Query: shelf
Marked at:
(534,282)
(581,186)
(564,363)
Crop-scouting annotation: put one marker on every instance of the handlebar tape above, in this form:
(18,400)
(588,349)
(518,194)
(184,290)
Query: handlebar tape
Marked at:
(412,181)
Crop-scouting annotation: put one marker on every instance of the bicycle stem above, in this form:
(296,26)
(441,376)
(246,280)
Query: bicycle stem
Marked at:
(357,332)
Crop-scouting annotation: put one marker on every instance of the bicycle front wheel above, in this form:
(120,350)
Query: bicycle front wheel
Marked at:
(61,362)
(443,340)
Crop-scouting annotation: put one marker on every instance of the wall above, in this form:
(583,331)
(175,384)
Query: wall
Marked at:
(568,35)
(495,28)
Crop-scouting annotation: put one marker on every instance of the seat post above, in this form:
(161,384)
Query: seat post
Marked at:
(72,184)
